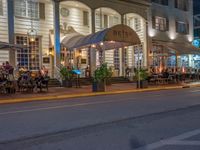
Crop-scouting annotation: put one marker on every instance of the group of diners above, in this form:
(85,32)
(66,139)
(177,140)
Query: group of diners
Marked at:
(173,75)
(24,81)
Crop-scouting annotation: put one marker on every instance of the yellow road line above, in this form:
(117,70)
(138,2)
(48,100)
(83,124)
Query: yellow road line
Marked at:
(60,97)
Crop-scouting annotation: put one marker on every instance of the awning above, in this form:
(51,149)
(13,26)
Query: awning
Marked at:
(5,45)
(114,37)
(179,48)
(69,40)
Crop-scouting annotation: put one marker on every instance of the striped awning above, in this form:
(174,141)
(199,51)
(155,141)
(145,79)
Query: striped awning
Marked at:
(110,38)
(179,48)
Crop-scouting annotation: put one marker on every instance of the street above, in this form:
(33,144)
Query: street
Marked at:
(159,120)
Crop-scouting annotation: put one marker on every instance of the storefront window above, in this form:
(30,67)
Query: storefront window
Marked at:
(171,61)
(196,59)
(184,61)
(116,59)
(138,56)
(28,57)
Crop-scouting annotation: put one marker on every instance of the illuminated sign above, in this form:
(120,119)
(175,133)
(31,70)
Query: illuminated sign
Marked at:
(196,43)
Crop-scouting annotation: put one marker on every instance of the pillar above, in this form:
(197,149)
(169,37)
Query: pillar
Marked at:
(57,47)
(92,50)
(11,30)
(57,51)
(122,68)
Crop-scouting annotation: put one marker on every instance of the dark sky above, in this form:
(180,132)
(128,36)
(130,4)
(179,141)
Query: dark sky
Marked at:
(196,6)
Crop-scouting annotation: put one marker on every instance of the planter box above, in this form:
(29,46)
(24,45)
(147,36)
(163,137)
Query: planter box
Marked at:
(143,84)
(98,87)
(66,83)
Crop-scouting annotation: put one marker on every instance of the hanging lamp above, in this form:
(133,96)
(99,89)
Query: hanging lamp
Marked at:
(32,32)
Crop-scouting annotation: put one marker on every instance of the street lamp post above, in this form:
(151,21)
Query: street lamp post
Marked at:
(138,65)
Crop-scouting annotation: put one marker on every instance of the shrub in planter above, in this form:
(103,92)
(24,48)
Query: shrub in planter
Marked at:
(142,78)
(67,76)
(101,75)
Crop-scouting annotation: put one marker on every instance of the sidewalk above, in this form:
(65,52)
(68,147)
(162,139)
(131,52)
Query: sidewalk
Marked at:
(85,91)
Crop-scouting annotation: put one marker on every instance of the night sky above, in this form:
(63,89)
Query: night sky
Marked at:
(196,6)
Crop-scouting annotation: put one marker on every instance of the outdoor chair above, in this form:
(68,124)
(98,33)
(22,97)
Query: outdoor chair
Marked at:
(42,83)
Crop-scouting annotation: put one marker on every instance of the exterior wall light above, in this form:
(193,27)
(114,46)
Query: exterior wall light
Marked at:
(151,33)
(93,46)
(190,38)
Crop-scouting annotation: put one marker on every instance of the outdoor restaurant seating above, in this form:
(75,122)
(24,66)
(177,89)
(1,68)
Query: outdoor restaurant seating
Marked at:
(26,81)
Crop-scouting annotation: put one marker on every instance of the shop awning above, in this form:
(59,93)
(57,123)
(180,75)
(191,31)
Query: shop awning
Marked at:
(69,40)
(114,37)
(179,48)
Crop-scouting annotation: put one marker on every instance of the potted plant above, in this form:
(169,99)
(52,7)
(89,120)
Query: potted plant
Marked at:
(67,76)
(142,78)
(109,74)
(101,74)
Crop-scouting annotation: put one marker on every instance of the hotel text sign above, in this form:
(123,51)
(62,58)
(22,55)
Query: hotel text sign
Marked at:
(122,33)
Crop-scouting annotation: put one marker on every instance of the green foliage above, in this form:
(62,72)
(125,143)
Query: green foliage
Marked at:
(141,74)
(66,73)
(102,73)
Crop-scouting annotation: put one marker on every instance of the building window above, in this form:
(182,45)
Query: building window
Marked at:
(85,18)
(113,20)
(182,27)
(28,9)
(105,20)
(1,8)
(116,59)
(182,4)
(28,57)
(162,2)
(160,23)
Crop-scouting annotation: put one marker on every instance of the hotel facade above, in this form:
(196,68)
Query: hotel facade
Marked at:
(47,29)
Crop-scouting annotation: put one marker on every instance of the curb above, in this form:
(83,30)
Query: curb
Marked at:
(64,97)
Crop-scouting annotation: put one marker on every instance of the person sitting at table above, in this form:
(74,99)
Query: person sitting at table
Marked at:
(165,73)
(44,71)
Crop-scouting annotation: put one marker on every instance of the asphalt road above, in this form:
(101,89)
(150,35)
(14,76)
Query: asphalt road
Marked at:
(161,120)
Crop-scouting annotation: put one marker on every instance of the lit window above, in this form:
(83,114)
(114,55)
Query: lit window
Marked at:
(182,27)
(28,57)
(116,59)
(160,23)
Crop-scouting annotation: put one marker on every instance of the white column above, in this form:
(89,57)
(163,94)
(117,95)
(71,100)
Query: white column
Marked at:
(92,50)
(11,30)
(191,62)
(120,62)
(57,33)
(122,68)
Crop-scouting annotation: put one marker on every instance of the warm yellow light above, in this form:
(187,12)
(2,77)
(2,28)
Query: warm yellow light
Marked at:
(151,33)
(32,39)
(190,38)
(101,43)
(93,45)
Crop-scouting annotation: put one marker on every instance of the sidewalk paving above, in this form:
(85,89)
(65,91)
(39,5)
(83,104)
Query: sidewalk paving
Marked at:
(65,93)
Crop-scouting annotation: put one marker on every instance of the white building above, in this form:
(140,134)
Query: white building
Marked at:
(171,33)
(55,21)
